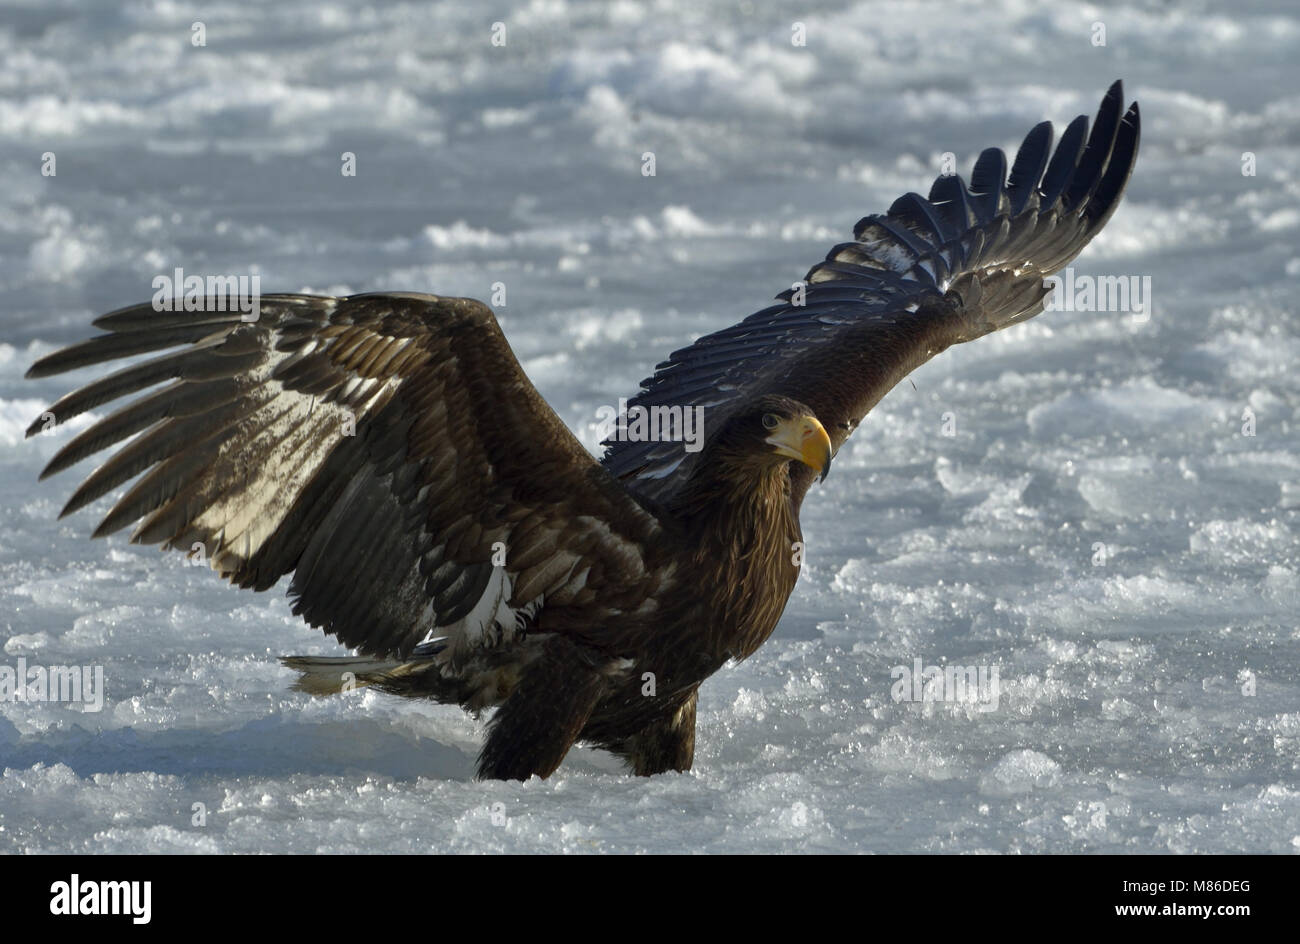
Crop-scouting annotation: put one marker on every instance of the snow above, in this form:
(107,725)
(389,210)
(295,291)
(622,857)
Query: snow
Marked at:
(1098,526)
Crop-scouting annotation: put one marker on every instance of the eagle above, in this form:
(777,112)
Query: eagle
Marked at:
(441,521)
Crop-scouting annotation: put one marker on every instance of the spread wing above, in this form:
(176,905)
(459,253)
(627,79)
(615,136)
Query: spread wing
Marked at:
(928,274)
(386,449)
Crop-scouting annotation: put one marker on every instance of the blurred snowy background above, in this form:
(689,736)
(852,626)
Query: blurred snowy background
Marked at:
(1125,722)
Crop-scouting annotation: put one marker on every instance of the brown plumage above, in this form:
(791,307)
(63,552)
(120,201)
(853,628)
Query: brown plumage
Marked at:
(439,518)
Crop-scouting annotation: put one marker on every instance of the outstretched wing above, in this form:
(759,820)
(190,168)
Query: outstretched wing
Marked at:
(928,274)
(386,449)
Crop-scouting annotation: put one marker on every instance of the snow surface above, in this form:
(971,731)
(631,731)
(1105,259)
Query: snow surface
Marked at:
(1121,723)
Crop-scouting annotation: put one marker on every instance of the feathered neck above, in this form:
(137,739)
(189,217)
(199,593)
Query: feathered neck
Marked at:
(744,534)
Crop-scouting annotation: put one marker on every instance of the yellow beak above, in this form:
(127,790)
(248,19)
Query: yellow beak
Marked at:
(805,439)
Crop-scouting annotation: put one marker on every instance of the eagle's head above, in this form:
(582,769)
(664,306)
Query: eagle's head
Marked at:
(767,433)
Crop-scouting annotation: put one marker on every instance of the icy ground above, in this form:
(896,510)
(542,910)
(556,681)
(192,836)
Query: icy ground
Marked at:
(1124,722)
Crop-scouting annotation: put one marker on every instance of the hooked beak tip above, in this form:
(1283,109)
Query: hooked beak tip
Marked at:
(816,447)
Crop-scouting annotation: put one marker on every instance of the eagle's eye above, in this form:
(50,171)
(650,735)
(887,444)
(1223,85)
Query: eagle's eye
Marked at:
(771,421)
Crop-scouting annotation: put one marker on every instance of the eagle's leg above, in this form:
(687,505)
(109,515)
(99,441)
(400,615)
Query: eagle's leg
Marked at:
(664,745)
(539,721)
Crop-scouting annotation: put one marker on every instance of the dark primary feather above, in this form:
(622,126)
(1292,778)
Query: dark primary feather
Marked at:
(375,446)
(930,273)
